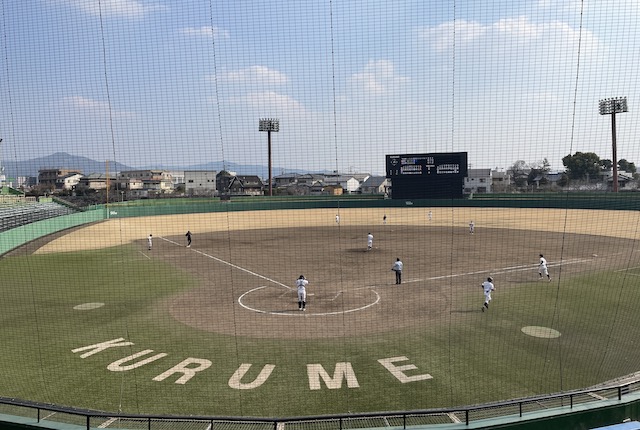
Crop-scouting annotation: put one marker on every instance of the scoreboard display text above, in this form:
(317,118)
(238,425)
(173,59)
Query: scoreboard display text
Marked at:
(427,176)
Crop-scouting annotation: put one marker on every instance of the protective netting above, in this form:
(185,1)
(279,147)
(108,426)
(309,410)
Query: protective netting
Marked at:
(173,171)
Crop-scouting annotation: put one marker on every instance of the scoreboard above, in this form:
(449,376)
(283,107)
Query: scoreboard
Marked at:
(427,176)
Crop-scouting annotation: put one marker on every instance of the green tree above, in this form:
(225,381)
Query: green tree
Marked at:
(627,166)
(582,165)
(606,165)
(520,172)
(539,169)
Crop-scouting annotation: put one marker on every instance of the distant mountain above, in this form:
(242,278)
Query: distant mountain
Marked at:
(242,169)
(59,160)
(62,160)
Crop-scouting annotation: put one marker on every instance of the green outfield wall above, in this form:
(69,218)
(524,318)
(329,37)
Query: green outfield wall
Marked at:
(595,201)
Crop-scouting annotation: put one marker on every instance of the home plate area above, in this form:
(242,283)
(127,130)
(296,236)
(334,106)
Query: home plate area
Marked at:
(280,300)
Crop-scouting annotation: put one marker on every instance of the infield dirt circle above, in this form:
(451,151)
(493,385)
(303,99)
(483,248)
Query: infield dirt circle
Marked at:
(246,263)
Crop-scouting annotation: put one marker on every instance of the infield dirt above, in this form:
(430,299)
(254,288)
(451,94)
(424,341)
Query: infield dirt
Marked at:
(247,262)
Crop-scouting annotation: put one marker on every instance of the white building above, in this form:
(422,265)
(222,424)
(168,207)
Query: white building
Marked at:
(156,181)
(478,181)
(200,182)
(68,182)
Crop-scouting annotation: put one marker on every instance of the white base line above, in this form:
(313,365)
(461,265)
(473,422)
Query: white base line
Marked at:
(628,269)
(434,278)
(233,265)
(107,423)
(499,271)
(454,418)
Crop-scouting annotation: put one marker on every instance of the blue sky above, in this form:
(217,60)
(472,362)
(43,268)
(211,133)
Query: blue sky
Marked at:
(182,82)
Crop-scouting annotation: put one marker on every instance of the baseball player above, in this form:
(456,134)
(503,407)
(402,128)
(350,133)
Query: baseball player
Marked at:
(397,267)
(337,218)
(487,288)
(472,227)
(369,242)
(150,242)
(543,269)
(301,284)
(188,238)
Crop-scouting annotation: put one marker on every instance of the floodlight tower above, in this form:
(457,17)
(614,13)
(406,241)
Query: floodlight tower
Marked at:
(269,125)
(611,107)
(2,177)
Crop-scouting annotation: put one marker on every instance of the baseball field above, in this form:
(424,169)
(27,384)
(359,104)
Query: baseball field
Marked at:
(93,318)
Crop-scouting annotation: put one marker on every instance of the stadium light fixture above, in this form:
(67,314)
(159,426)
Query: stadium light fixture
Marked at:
(269,125)
(612,106)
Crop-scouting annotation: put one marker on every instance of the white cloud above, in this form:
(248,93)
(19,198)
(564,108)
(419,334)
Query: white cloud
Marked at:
(520,28)
(270,101)
(91,107)
(377,78)
(441,37)
(554,38)
(206,31)
(256,75)
(113,8)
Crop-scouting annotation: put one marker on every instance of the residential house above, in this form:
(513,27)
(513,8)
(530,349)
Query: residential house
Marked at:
(547,180)
(625,179)
(310,178)
(177,177)
(68,182)
(153,181)
(361,177)
(49,178)
(348,183)
(96,181)
(320,188)
(285,180)
(246,185)
(478,181)
(500,181)
(375,185)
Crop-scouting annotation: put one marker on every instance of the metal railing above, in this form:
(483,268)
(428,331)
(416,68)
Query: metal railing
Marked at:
(39,413)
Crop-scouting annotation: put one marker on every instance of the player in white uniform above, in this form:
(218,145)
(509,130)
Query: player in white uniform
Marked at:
(150,242)
(487,288)
(301,284)
(369,242)
(472,227)
(430,215)
(543,269)
(397,267)
(337,218)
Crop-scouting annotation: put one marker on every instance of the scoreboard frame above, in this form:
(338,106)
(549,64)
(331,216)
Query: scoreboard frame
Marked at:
(427,176)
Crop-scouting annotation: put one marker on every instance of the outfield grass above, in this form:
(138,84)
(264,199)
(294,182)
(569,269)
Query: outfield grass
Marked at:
(473,357)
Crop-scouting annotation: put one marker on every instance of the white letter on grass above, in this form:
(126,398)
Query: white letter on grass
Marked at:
(398,371)
(116,366)
(187,372)
(342,371)
(99,347)
(235,380)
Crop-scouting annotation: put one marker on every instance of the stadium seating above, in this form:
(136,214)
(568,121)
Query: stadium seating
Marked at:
(12,216)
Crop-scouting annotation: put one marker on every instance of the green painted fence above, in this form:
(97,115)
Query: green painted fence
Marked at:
(24,234)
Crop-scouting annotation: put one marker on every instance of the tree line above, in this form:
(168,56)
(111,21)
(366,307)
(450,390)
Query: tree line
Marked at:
(581,166)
